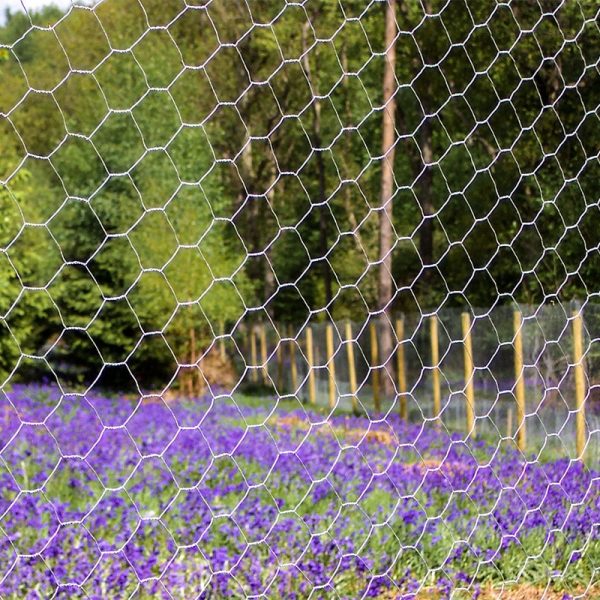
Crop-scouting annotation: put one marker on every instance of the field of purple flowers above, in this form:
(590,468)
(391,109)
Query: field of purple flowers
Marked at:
(109,498)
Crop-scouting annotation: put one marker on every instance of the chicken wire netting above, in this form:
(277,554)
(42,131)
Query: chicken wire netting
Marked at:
(299,299)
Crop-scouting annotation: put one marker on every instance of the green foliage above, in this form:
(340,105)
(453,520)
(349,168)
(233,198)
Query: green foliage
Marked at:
(21,314)
(174,185)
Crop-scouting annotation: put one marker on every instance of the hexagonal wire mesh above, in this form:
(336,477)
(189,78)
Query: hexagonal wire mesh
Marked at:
(244,250)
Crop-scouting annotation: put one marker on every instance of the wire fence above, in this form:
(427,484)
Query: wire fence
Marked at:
(243,244)
(298,363)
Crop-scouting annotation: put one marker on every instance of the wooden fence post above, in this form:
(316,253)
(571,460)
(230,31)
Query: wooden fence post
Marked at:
(312,394)
(435,363)
(330,364)
(580,392)
(520,381)
(222,341)
(280,365)
(253,355)
(469,372)
(263,353)
(351,365)
(294,366)
(374,367)
(401,369)
(193,362)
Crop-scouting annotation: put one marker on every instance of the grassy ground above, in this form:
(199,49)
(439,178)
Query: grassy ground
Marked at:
(253,495)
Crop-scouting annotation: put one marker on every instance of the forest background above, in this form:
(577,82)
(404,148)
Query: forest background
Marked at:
(168,167)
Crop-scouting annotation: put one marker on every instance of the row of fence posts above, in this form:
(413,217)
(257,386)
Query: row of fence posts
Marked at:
(469,371)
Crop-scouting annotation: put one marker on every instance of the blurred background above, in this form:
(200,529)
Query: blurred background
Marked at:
(174,175)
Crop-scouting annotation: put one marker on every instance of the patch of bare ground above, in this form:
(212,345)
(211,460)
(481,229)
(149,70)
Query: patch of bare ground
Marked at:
(530,592)
(345,432)
(213,371)
(519,592)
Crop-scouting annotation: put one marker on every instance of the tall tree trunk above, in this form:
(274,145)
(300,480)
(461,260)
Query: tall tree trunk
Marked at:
(251,206)
(323,228)
(386,229)
(316,143)
(347,155)
(269,276)
(425,184)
